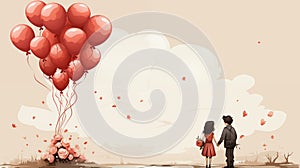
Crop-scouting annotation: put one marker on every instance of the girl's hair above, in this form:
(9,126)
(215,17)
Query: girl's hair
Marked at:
(209,127)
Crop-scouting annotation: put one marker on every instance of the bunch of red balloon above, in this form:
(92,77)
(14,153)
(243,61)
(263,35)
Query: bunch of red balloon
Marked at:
(65,47)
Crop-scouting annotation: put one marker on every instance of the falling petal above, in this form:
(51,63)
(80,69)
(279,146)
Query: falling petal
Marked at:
(14,125)
(85,142)
(262,122)
(245,113)
(270,114)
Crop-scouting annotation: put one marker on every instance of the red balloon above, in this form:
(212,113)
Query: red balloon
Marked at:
(60,80)
(75,70)
(89,57)
(59,56)
(73,39)
(40,46)
(54,17)
(33,12)
(98,29)
(52,38)
(47,67)
(21,35)
(62,33)
(78,14)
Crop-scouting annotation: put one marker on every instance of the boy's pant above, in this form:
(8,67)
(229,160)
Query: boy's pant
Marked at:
(230,157)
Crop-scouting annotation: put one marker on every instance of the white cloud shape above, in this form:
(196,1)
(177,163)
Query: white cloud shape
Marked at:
(248,113)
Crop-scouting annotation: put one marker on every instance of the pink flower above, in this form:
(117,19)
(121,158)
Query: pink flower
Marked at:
(81,158)
(45,156)
(58,145)
(53,150)
(51,158)
(53,142)
(62,153)
(70,157)
(65,143)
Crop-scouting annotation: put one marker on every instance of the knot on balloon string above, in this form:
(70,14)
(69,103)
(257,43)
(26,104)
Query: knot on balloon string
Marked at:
(41,28)
(28,53)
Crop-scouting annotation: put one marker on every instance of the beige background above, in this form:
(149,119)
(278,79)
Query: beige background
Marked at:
(234,27)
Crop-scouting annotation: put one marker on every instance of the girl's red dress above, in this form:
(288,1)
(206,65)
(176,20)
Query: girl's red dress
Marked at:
(209,149)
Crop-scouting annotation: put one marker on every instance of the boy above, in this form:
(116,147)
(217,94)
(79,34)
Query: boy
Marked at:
(229,136)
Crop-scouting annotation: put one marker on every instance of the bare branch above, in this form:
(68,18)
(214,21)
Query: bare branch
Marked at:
(269,158)
(276,157)
(286,157)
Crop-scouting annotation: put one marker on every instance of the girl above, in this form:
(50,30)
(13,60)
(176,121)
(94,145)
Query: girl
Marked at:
(208,149)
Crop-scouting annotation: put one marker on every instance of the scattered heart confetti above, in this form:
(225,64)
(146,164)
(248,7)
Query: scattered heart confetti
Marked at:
(25,138)
(43,102)
(258,42)
(45,140)
(26,144)
(33,117)
(237,100)
(245,113)
(128,117)
(14,125)
(265,148)
(66,130)
(70,139)
(270,114)
(141,100)
(114,106)
(39,151)
(50,124)
(119,97)
(95,91)
(264,145)
(183,78)
(100,98)
(242,136)
(93,152)
(85,142)
(262,122)
(37,135)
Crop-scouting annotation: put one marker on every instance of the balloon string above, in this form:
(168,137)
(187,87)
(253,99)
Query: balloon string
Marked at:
(58,123)
(72,104)
(53,98)
(34,76)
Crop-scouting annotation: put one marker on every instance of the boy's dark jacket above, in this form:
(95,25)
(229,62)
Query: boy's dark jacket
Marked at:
(229,136)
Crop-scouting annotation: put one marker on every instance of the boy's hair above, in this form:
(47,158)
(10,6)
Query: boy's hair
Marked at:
(228,119)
